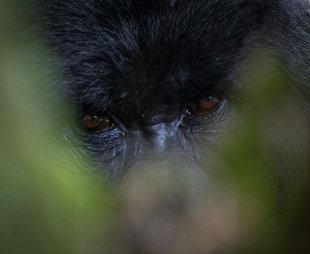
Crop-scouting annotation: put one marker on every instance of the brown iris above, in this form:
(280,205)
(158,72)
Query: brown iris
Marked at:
(96,124)
(204,106)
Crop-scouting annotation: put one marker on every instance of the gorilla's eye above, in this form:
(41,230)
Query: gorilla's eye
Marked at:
(204,106)
(95,124)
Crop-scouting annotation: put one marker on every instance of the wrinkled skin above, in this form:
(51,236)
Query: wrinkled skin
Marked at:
(140,64)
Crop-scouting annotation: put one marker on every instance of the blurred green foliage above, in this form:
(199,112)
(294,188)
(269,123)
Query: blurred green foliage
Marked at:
(48,207)
(45,207)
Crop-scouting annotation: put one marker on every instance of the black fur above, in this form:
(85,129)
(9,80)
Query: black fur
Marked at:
(140,63)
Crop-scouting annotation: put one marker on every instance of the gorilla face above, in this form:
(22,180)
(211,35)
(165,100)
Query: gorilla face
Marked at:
(154,77)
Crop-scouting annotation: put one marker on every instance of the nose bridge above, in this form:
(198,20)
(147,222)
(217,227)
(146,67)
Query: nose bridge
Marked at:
(163,135)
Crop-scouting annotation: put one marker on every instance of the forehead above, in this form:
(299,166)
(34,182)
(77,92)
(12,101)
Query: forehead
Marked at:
(158,35)
(122,26)
(159,24)
(139,47)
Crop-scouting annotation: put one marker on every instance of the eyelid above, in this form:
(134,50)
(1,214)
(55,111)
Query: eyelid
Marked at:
(119,124)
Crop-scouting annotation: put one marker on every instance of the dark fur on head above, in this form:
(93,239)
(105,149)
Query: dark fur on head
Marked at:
(140,62)
(118,54)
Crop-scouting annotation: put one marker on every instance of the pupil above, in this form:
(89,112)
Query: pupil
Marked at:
(93,118)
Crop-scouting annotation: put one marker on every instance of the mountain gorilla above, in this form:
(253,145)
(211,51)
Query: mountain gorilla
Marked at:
(157,78)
